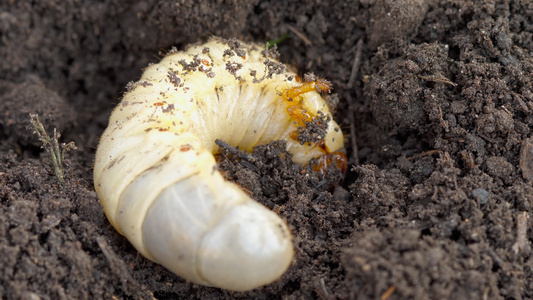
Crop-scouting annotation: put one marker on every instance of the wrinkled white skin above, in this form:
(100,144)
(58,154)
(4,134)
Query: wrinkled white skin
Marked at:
(157,178)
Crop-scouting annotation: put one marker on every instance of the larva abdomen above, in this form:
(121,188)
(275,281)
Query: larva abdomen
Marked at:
(245,237)
(157,178)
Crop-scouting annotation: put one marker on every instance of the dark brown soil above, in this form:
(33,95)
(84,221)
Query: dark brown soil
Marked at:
(435,98)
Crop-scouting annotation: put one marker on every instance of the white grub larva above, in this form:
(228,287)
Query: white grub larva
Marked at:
(156,174)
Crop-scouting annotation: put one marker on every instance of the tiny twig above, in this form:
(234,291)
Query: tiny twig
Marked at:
(233,151)
(356,63)
(227,147)
(300,35)
(51,144)
(246,159)
(521,233)
(321,289)
(430,152)
(441,79)
(388,293)
(353,138)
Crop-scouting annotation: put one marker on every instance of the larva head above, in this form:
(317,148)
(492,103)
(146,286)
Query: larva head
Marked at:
(317,134)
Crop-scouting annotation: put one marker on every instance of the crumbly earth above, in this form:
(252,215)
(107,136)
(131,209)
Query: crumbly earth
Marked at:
(435,98)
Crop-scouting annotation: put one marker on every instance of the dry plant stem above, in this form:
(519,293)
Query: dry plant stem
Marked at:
(352,130)
(353,139)
(51,144)
(356,63)
(300,35)
(521,233)
(388,293)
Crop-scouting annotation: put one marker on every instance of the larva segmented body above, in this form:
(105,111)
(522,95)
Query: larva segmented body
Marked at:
(156,174)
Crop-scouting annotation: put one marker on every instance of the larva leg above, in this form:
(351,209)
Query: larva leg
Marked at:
(336,159)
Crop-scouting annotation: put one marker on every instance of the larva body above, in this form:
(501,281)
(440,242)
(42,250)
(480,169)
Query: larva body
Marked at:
(157,178)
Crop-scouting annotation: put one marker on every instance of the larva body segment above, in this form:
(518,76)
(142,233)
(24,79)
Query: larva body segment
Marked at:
(156,175)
